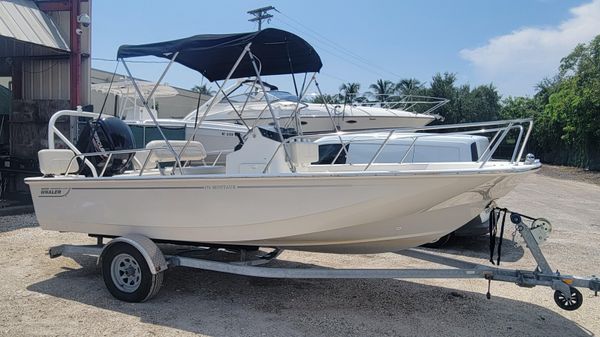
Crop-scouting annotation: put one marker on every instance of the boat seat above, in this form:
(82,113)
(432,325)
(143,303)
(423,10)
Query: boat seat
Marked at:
(161,152)
(56,161)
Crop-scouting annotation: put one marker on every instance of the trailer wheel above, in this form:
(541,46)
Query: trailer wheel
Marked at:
(127,275)
(569,303)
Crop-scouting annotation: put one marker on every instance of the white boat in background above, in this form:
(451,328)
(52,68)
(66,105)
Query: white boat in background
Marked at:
(270,192)
(130,107)
(245,103)
(225,124)
(218,138)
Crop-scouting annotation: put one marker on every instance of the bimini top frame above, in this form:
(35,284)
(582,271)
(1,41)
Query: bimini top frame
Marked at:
(269,52)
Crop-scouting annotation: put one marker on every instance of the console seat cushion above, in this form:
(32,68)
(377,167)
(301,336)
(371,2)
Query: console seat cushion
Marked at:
(161,152)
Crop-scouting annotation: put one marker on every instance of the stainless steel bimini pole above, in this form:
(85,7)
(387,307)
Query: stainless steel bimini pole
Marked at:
(238,113)
(145,102)
(212,103)
(233,69)
(275,119)
(295,116)
(335,127)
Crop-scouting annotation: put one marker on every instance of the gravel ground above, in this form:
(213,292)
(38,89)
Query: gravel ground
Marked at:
(571,173)
(64,297)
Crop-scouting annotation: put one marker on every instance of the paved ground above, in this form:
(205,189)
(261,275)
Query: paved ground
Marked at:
(63,297)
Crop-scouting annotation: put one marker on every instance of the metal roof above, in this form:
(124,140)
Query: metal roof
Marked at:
(22,21)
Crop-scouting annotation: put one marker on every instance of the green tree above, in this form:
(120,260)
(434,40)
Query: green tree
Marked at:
(409,86)
(483,104)
(520,107)
(349,91)
(327,99)
(466,105)
(524,107)
(444,86)
(573,109)
(566,110)
(382,89)
(546,87)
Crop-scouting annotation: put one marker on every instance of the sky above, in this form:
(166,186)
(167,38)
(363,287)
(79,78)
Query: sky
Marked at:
(512,44)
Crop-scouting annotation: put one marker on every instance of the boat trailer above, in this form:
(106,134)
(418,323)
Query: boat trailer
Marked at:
(133,266)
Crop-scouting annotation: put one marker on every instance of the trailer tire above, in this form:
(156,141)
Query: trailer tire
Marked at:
(127,275)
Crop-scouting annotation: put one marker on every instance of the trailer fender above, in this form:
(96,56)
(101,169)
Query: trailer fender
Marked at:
(149,250)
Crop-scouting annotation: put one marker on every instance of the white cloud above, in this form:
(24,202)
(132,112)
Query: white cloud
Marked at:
(515,62)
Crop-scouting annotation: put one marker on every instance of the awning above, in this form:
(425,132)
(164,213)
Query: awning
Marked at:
(27,31)
(213,55)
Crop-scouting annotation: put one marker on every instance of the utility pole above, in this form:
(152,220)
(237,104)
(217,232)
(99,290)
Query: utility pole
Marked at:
(261,14)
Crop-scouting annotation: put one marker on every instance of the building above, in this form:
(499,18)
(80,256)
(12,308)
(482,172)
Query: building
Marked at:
(44,67)
(168,107)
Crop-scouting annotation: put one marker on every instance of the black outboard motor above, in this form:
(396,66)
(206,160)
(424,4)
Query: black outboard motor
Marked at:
(107,134)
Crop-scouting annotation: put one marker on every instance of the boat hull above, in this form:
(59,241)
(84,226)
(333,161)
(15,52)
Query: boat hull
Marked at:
(340,214)
(321,124)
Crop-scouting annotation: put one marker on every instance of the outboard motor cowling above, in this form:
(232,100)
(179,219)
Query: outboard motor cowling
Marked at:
(106,134)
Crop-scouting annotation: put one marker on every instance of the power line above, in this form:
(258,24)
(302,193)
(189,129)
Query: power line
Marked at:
(338,46)
(367,67)
(324,46)
(334,77)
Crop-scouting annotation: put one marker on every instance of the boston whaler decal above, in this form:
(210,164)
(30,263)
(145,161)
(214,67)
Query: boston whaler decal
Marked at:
(54,192)
(220,187)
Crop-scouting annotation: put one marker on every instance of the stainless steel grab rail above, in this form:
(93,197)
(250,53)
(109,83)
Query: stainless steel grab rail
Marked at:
(111,154)
(500,128)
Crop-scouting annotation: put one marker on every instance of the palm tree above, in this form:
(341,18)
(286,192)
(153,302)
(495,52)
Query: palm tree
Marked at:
(409,86)
(326,99)
(349,91)
(203,90)
(382,89)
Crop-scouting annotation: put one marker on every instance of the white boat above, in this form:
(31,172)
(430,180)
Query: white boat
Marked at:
(270,193)
(230,117)
(218,138)
(244,102)
(329,208)
(223,126)
(130,107)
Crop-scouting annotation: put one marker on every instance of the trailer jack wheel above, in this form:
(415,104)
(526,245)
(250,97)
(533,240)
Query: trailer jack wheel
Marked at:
(570,303)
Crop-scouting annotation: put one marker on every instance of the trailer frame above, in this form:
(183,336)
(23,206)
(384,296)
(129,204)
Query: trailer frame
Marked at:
(565,286)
